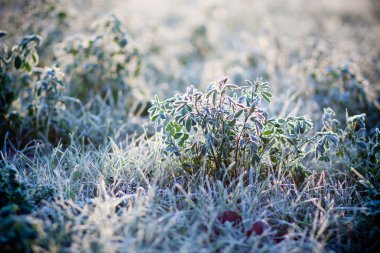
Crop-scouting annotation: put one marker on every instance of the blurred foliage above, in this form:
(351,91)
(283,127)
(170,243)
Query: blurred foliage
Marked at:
(101,63)
(13,190)
(30,97)
(342,89)
(18,233)
(355,152)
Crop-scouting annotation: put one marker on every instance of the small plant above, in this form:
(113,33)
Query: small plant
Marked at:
(354,150)
(226,127)
(30,97)
(341,88)
(50,19)
(15,66)
(101,63)
(213,125)
(20,58)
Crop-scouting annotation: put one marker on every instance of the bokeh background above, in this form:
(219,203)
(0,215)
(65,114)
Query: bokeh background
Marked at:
(314,53)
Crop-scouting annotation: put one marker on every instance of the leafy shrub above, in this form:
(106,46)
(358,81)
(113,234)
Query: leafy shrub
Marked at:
(355,159)
(12,77)
(200,43)
(21,57)
(100,63)
(50,19)
(342,88)
(357,152)
(30,97)
(226,127)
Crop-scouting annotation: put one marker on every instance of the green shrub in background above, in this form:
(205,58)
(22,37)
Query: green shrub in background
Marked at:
(341,88)
(30,97)
(355,159)
(101,63)
(34,105)
(356,153)
(21,57)
(50,19)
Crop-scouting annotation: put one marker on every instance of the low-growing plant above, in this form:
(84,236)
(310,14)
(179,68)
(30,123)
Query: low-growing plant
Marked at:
(226,127)
(357,152)
(20,57)
(51,20)
(15,65)
(30,97)
(101,63)
(341,88)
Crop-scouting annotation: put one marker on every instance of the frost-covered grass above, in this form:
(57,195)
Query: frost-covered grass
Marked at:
(125,199)
(100,181)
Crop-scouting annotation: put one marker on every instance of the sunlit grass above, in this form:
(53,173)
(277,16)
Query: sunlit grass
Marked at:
(87,171)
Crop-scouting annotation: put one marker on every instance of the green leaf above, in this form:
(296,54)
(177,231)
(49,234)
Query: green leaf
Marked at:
(232,123)
(268,132)
(177,135)
(152,110)
(188,108)
(28,67)
(154,117)
(267,94)
(214,98)
(185,136)
(162,115)
(249,83)
(211,92)
(169,128)
(238,113)
(188,124)
(267,99)
(183,139)
(177,127)
(232,86)
(35,58)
